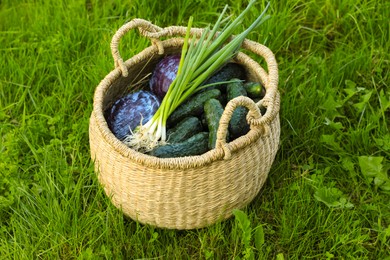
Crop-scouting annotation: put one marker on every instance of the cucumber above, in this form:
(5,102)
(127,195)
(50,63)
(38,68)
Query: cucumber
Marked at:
(203,120)
(213,111)
(227,72)
(238,125)
(186,128)
(195,145)
(254,89)
(192,106)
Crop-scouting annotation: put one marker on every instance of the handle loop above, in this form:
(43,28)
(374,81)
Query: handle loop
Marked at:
(149,30)
(253,118)
(144,28)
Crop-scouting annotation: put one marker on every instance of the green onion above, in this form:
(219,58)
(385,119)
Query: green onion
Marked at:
(200,59)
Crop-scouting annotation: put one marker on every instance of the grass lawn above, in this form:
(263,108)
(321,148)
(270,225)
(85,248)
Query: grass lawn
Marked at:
(327,195)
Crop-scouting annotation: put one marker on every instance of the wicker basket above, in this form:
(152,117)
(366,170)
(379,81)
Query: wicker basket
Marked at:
(186,192)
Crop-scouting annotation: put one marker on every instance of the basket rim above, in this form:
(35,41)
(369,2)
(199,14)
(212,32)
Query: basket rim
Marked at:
(98,120)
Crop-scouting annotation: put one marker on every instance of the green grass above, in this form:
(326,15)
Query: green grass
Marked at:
(327,195)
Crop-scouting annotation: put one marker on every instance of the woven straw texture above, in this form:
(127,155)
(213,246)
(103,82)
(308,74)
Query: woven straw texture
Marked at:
(186,192)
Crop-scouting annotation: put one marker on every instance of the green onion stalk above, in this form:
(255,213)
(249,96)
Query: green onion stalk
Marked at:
(200,59)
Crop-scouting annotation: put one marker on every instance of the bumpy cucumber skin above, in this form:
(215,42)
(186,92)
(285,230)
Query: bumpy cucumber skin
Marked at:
(192,106)
(227,72)
(213,111)
(195,145)
(238,125)
(254,89)
(186,128)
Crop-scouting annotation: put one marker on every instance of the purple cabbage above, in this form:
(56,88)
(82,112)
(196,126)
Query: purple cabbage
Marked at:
(127,112)
(163,75)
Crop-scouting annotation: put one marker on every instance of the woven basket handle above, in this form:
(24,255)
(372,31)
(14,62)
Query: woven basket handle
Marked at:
(253,118)
(149,30)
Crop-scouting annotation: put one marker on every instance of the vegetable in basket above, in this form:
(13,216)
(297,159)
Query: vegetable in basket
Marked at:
(200,59)
(196,144)
(163,75)
(254,89)
(238,125)
(166,70)
(129,111)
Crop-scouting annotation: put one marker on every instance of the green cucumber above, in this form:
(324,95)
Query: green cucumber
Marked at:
(213,111)
(254,89)
(186,128)
(195,145)
(238,125)
(227,72)
(192,106)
